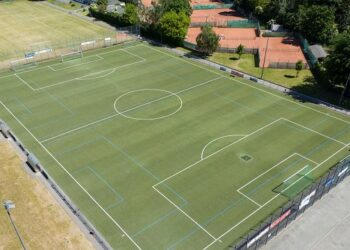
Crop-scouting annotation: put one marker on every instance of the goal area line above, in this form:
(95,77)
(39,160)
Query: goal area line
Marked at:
(260,206)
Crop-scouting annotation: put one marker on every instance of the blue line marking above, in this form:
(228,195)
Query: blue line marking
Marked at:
(60,103)
(23,105)
(119,197)
(252,192)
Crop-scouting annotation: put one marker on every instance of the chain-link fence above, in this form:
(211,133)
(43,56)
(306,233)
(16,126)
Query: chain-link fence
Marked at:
(262,233)
(212,6)
(48,50)
(306,49)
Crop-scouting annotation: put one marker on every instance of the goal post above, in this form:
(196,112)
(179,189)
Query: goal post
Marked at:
(72,55)
(295,183)
(23,63)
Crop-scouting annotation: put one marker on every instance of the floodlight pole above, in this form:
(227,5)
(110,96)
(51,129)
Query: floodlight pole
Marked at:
(343,93)
(8,205)
(267,45)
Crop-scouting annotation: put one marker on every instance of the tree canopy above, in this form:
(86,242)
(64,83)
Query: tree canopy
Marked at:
(176,6)
(174,26)
(207,40)
(317,23)
(337,64)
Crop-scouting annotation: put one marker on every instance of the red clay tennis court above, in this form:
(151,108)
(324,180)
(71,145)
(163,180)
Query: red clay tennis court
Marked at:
(229,37)
(282,52)
(215,15)
(148,3)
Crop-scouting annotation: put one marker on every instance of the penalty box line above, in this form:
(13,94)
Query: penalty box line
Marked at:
(71,176)
(98,55)
(268,170)
(192,165)
(258,209)
(80,77)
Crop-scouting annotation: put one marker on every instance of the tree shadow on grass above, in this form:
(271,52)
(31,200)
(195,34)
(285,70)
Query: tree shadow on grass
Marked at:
(313,92)
(289,76)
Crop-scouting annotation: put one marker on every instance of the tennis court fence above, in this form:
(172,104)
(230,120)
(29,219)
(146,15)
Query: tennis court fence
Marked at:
(212,6)
(199,21)
(223,49)
(39,52)
(306,49)
(296,206)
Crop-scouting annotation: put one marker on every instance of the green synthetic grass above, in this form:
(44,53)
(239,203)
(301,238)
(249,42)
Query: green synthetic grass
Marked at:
(170,151)
(29,25)
(284,77)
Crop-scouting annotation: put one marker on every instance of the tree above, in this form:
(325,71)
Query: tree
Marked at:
(317,23)
(176,6)
(240,50)
(130,16)
(298,67)
(102,5)
(337,64)
(207,40)
(174,26)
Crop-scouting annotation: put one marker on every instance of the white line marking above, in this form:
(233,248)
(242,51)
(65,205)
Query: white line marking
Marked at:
(249,198)
(78,128)
(247,217)
(75,65)
(295,123)
(71,176)
(128,110)
(93,76)
(306,158)
(290,177)
(195,222)
(23,81)
(153,118)
(98,55)
(246,84)
(229,145)
(216,139)
(268,170)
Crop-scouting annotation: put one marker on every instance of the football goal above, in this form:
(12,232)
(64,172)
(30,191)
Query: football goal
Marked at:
(23,63)
(295,183)
(72,55)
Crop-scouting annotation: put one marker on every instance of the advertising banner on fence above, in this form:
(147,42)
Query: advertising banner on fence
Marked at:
(343,171)
(306,200)
(281,218)
(258,236)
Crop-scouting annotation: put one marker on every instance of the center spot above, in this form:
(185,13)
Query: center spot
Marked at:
(148,104)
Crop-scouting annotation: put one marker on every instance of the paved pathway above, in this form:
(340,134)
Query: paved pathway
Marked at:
(324,226)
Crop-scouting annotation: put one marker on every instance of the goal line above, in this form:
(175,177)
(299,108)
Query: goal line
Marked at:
(72,55)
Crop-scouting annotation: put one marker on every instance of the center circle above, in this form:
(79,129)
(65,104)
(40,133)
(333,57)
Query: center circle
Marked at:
(165,94)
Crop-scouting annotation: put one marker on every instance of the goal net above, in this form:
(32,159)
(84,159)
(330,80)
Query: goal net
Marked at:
(23,63)
(72,55)
(295,183)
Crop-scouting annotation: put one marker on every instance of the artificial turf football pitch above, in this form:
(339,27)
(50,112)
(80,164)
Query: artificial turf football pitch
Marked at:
(160,152)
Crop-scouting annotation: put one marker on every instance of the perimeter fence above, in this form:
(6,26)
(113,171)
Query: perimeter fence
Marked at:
(212,6)
(306,49)
(242,23)
(48,50)
(33,163)
(223,49)
(296,206)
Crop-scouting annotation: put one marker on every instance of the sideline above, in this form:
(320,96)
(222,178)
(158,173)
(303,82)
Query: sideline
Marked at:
(253,79)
